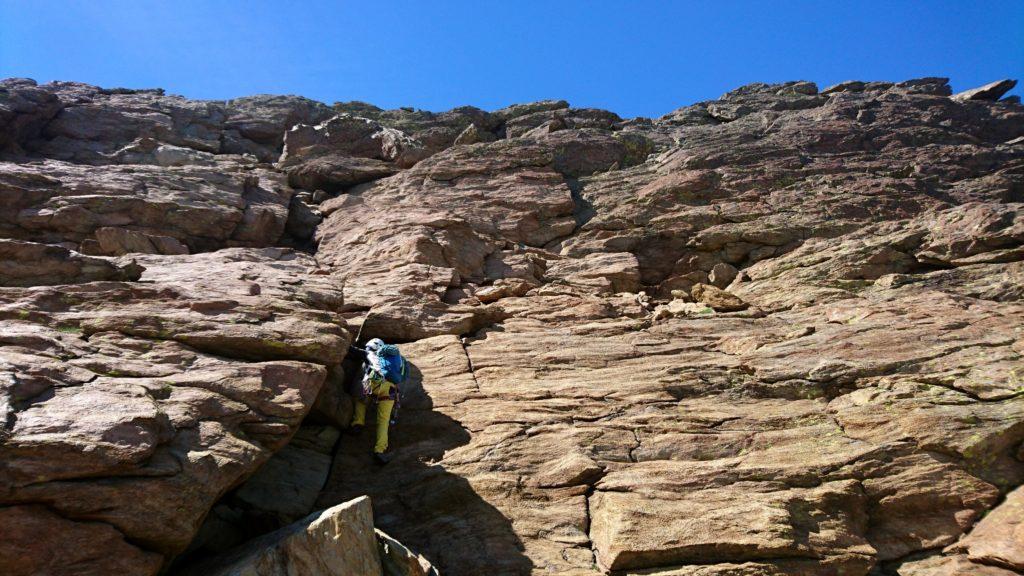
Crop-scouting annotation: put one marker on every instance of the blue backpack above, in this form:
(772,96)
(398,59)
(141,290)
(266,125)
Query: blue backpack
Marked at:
(392,365)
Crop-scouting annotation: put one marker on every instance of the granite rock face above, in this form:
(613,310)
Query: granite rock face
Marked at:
(775,333)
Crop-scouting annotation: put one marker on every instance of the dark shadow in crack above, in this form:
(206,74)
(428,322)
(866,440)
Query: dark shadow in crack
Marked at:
(432,511)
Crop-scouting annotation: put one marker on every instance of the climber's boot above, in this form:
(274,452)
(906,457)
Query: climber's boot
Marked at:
(381,458)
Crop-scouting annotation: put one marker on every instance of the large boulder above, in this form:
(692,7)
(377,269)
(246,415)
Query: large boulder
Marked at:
(339,540)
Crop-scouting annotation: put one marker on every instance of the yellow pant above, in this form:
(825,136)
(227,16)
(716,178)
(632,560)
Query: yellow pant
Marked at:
(380,390)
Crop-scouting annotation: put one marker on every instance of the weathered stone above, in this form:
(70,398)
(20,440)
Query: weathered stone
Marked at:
(473,135)
(335,172)
(992,92)
(397,560)
(286,487)
(339,540)
(998,539)
(120,241)
(31,264)
(722,275)
(857,409)
(717,298)
(950,566)
(607,273)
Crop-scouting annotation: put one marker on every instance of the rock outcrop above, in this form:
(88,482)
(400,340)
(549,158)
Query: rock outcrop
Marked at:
(775,333)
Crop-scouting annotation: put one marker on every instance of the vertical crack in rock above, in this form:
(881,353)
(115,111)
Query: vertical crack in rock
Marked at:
(469,362)
(588,521)
(636,437)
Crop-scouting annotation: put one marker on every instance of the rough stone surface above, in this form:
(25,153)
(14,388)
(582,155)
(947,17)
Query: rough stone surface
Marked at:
(843,396)
(999,538)
(992,91)
(131,408)
(397,560)
(31,264)
(722,275)
(339,540)
(204,208)
(716,298)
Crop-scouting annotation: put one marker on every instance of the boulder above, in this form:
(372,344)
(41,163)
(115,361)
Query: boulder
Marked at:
(503,289)
(257,124)
(204,208)
(338,540)
(397,560)
(950,566)
(302,220)
(31,535)
(722,275)
(350,135)
(474,134)
(517,110)
(286,487)
(717,298)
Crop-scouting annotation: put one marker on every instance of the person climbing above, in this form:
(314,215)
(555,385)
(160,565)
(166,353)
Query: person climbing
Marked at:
(384,370)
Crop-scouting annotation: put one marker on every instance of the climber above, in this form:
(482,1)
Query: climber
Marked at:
(384,370)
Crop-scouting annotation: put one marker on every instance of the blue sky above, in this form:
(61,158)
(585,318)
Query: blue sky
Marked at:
(636,58)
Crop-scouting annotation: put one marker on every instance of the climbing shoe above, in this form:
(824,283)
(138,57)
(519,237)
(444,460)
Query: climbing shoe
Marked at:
(355,429)
(381,458)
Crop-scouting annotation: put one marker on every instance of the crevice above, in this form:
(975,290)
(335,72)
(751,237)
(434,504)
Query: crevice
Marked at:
(636,438)
(469,362)
(588,520)
(731,563)
(583,210)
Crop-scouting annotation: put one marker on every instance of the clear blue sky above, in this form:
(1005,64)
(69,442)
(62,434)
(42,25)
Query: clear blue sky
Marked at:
(636,58)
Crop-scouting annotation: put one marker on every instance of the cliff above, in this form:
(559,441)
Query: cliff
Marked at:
(775,333)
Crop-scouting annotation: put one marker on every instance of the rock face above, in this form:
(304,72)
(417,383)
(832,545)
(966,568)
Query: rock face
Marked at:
(130,408)
(775,333)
